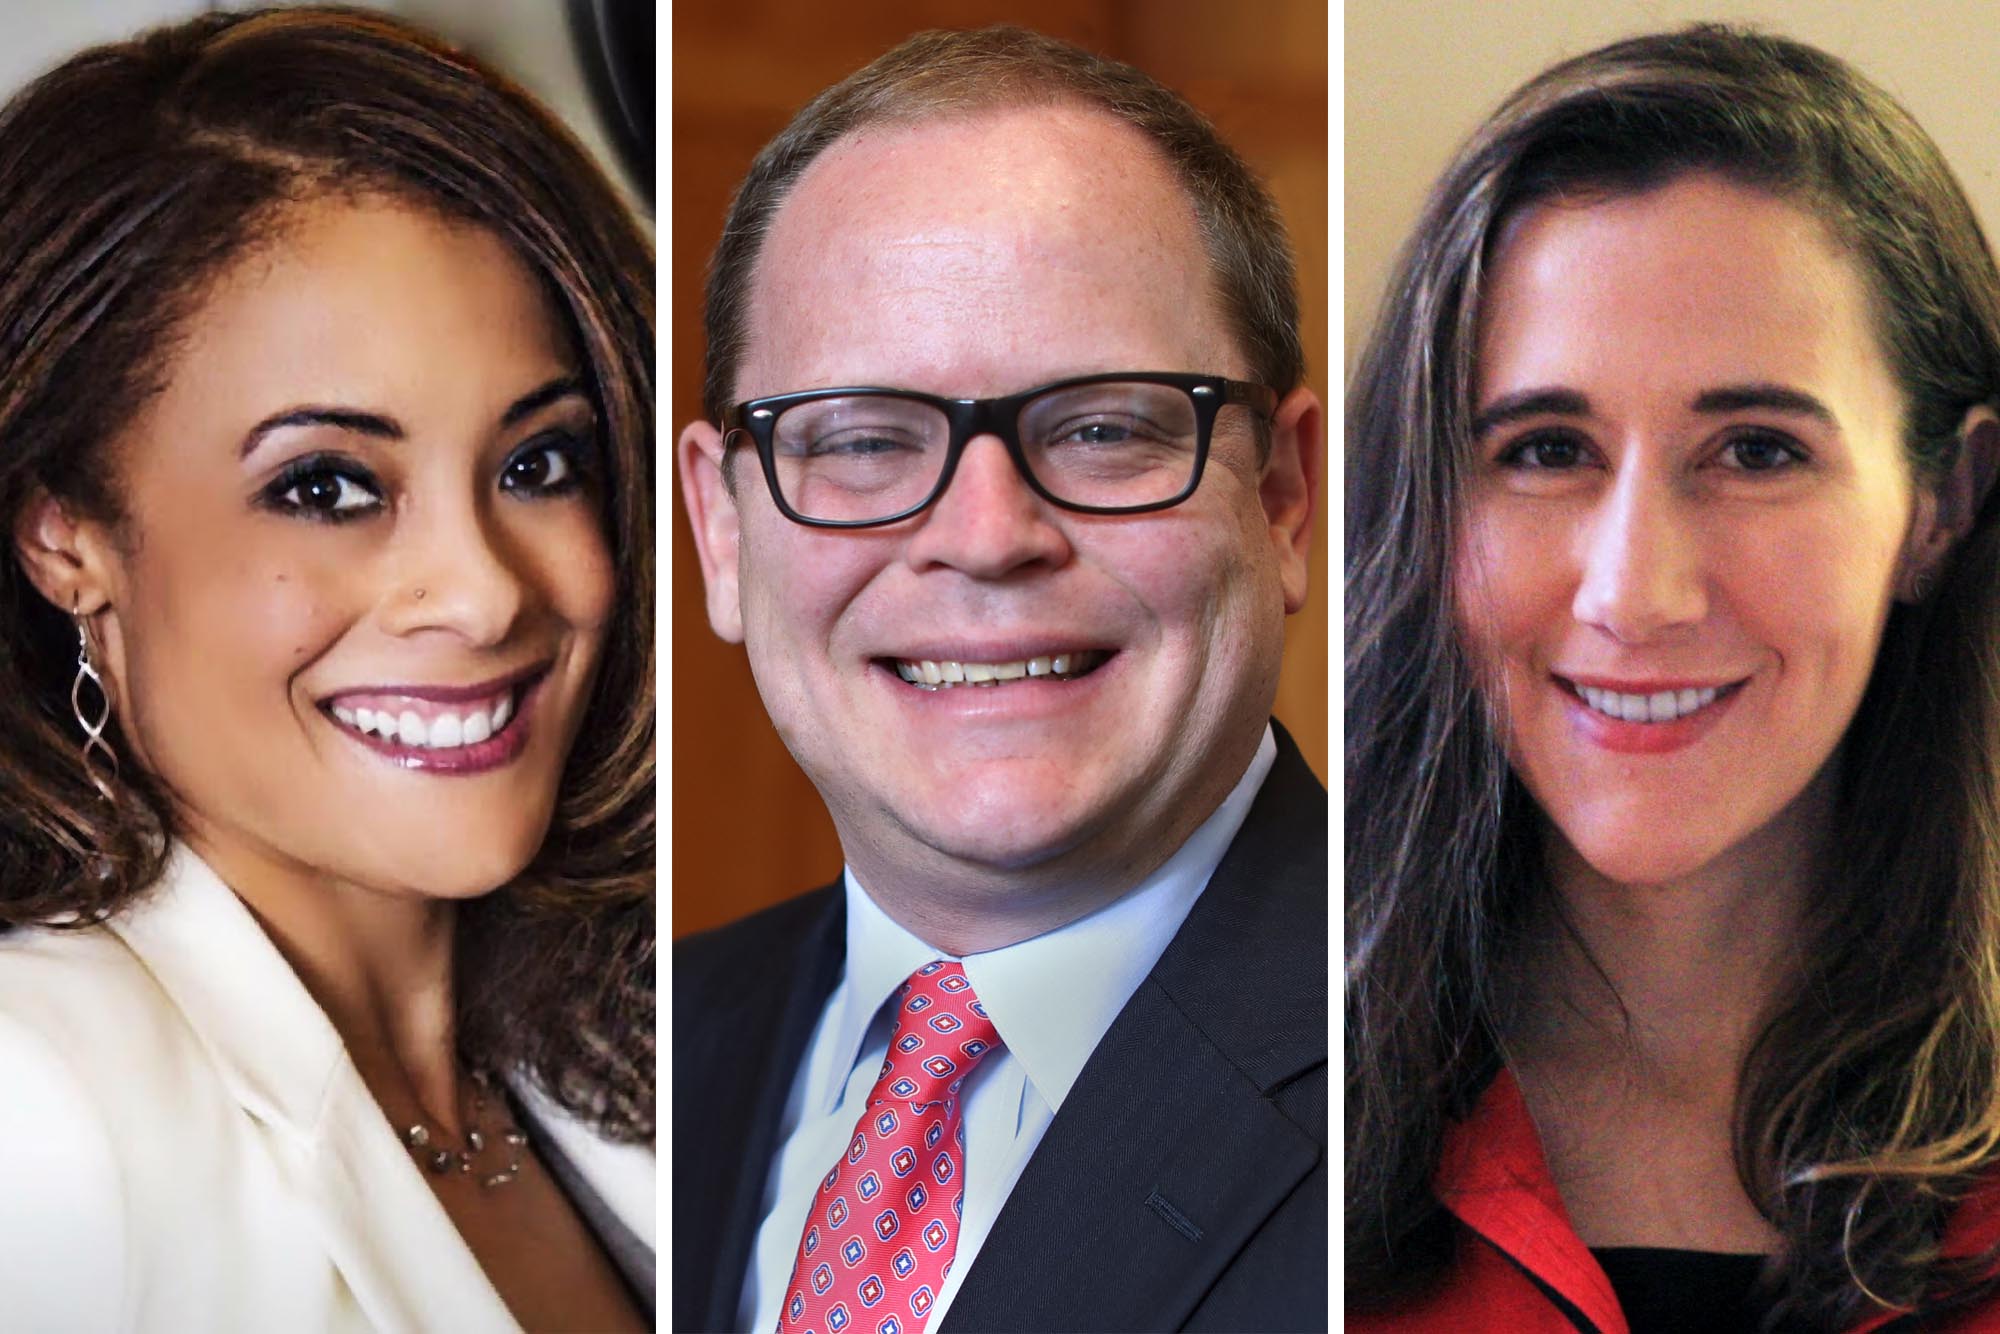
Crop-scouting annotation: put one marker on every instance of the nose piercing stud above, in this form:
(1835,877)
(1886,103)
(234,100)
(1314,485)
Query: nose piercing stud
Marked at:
(420,595)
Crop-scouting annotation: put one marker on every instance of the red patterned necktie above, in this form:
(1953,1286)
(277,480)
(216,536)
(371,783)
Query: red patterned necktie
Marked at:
(884,1222)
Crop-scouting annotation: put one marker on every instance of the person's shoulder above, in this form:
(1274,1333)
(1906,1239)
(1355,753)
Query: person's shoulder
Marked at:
(1292,795)
(83,989)
(84,1015)
(749,942)
(63,1239)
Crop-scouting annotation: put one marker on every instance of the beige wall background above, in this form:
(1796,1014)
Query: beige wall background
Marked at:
(1420,75)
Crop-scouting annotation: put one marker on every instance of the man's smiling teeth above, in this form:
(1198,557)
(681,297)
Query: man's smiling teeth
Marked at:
(441,731)
(1662,706)
(937,675)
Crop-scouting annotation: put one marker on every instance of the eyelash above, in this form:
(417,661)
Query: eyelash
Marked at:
(577,451)
(1794,454)
(1515,455)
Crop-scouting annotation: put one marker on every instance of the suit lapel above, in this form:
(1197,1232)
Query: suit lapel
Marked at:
(1168,1153)
(390,1238)
(736,1052)
(624,1177)
(285,1066)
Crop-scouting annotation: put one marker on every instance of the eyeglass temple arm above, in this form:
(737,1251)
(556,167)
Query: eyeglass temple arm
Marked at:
(1259,396)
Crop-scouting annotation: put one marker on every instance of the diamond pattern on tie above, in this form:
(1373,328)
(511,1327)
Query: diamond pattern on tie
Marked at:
(889,1209)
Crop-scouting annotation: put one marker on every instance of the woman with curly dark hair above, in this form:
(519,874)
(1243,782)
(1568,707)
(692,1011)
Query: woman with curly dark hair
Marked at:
(326,694)
(1673,772)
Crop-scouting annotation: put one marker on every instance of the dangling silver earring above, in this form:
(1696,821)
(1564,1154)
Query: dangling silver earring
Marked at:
(1920,587)
(96,752)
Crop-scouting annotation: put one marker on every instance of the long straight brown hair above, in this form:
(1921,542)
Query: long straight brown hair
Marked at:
(1870,1102)
(130,177)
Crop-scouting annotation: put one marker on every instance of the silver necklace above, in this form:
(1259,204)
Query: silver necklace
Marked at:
(427,1146)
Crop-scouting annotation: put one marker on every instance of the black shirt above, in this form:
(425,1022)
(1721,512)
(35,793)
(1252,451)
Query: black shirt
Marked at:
(1684,1292)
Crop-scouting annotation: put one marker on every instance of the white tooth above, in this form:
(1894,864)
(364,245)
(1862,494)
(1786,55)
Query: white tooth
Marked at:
(345,714)
(954,672)
(1059,664)
(477,727)
(932,672)
(978,672)
(1038,666)
(410,730)
(907,671)
(1660,706)
(1592,696)
(1632,707)
(1009,671)
(446,730)
(1688,700)
(503,711)
(362,718)
(1705,696)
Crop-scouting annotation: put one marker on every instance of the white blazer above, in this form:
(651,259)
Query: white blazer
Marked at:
(185,1145)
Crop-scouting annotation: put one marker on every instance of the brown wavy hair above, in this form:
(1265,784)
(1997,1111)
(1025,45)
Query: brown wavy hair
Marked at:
(1869,1104)
(131,176)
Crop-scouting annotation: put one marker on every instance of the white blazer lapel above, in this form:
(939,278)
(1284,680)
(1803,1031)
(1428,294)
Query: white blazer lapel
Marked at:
(624,1176)
(283,1062)
(387,1233)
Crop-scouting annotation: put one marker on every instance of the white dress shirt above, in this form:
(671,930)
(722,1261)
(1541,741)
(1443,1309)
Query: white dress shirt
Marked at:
(1051,997)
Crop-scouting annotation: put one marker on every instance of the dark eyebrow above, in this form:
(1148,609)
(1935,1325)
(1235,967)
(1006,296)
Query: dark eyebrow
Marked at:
(1715,402)
(1529,403)
(384,427)
(528,404)
(345,419)
(1769,397)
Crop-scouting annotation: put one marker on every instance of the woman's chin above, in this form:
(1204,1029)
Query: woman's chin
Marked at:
(434,870)
(1642,861)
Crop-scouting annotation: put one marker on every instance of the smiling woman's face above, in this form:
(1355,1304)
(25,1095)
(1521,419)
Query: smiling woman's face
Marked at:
(1690,512)
(359,594)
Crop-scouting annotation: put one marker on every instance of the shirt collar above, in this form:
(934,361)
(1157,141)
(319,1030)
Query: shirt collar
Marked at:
(1051,997)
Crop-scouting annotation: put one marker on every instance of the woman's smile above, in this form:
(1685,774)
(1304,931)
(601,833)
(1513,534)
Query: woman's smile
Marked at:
(1646,718)
(1689,513)
(447,730)
(373,559)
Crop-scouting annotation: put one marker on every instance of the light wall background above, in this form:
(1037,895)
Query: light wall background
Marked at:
(1421,74)
(748,829)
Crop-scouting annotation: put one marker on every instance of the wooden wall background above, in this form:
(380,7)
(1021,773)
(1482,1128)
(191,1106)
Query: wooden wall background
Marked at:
(747,828)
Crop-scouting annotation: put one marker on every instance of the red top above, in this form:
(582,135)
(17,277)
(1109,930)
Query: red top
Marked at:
(1493,1177)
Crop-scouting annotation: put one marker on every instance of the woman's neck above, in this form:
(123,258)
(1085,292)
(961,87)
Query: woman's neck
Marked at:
(1634,1011)
(1674,980)
(379,964)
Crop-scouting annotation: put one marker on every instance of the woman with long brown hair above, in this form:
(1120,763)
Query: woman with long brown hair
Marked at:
(1673,633)
(326,694)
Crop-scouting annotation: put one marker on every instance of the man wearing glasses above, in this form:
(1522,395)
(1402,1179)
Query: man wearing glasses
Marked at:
(1007,486)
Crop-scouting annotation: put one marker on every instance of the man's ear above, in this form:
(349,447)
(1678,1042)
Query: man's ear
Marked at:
(68,559)
(711,511)
(1290,489)
(1945,513)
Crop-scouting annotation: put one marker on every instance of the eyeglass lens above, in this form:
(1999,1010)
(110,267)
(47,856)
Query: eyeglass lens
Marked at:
(868,456)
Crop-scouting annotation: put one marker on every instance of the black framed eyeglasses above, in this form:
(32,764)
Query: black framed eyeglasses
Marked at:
(1119,443)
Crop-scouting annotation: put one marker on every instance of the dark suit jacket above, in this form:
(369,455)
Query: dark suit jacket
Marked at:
(1183,1184)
